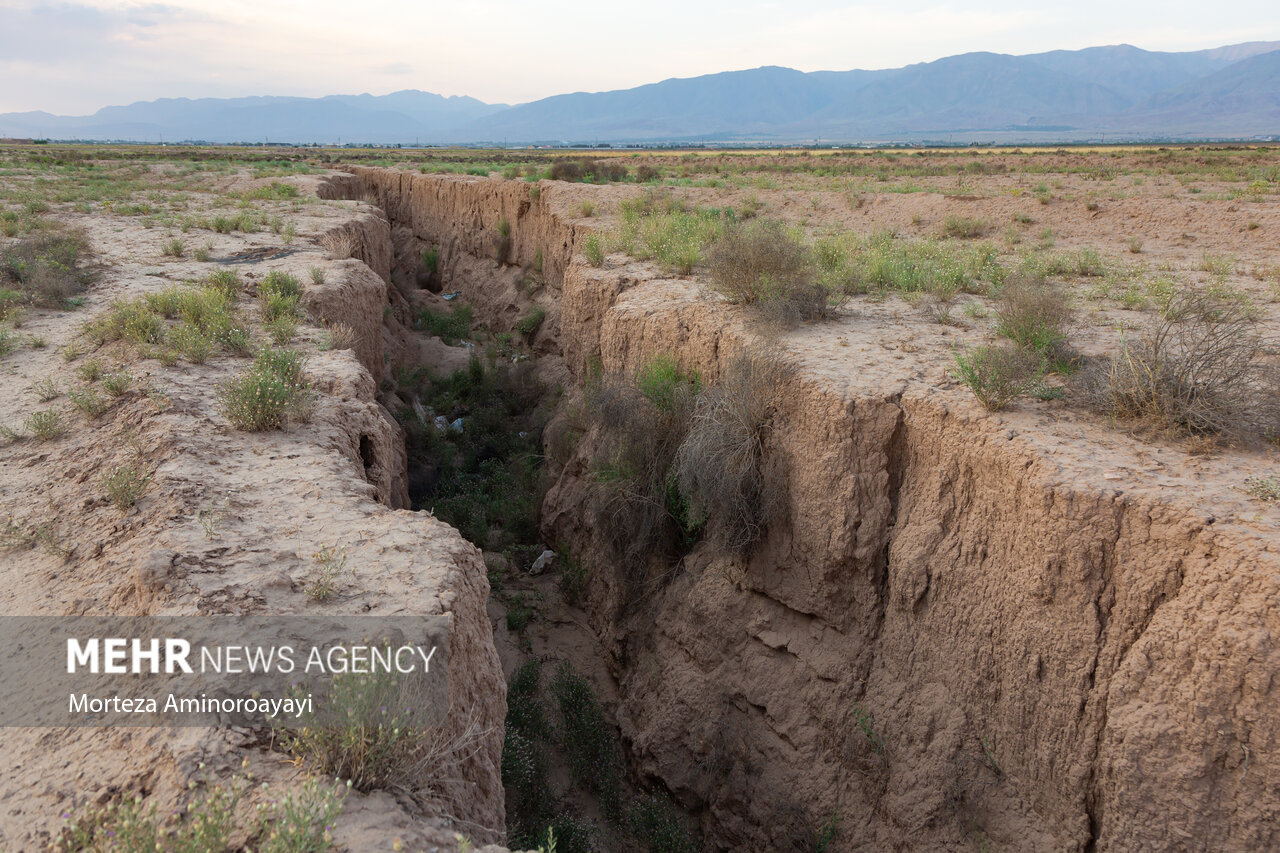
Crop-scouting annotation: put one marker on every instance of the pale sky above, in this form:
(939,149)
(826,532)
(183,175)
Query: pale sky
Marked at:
(72,58)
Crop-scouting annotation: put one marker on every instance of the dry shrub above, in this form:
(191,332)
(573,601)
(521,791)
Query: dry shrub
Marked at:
(999,375)
(1035,315)
(719,463)
(373,732)
(339,243)
(598,171)
(341,336)
(1199,368)
(48,269)
(763,264)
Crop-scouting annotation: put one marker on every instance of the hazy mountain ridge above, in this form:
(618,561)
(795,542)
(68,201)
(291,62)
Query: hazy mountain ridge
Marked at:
(1117,90)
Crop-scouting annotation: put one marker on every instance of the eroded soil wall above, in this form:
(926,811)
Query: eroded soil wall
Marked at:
(945,640)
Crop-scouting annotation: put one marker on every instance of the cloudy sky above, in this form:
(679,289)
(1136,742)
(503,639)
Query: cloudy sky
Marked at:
(72,58)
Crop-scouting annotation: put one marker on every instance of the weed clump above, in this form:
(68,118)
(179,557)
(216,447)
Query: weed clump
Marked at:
(280,295)
(964,227)
(270,394)
(998,375)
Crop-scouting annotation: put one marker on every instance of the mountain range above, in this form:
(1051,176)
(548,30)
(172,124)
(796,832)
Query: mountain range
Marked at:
(1115,92)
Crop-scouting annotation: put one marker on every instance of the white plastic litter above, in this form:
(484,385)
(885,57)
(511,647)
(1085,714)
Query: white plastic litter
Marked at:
(544,561)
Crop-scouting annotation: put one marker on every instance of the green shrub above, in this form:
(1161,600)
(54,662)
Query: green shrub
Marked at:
(431,259)
(642,421)
(280,295)
(46,389)
(133,321)
(592,171)
(226,281)
(88,402)
(529,324)
(117,383)
(269,395)
(194,345)
(174,248)
(450,326)
(282,330)
(998,375)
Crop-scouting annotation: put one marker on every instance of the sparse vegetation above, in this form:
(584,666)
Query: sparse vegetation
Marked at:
(593,248)
(1263,488)
(589,743)
(46,269)
(298,822)
(661,228)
